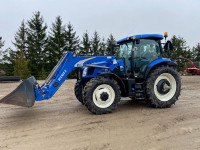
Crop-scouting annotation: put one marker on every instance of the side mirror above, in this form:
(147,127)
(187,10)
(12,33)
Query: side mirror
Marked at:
(168,46)
(112,47)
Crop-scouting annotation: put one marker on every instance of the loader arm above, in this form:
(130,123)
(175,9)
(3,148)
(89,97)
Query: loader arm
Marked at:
(30,91)
(59,73)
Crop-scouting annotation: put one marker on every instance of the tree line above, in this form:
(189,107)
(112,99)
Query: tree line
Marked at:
(181,49)
(43,50)
(36,50)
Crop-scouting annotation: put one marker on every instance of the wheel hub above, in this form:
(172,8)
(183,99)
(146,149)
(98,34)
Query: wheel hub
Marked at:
(163,86)
(104,96)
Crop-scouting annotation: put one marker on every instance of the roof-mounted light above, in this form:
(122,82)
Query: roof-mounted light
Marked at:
(166,34)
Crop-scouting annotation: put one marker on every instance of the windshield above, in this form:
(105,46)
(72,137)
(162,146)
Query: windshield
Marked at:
(125,50)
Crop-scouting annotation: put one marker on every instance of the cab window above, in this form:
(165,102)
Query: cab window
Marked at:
(147,49)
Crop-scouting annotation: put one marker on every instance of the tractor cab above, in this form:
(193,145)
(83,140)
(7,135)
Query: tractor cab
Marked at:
(138,52)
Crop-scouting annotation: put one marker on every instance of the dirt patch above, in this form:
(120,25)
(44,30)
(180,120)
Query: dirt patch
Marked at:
(63,123)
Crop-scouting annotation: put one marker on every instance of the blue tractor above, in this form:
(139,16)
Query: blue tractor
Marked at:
(138,71)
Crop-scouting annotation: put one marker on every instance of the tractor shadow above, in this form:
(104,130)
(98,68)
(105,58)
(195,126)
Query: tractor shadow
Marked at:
(127,104)
(19,117)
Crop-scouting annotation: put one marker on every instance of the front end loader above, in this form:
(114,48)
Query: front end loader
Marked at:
(138,71)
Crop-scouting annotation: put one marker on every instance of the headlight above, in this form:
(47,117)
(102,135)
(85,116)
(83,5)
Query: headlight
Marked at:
(84,72)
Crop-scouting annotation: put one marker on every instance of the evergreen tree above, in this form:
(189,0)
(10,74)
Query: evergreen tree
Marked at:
(102,50)
(196,52)
(95,44)
(108,46)
(1,43)
(21,66)
(1,50)
(43,74)
(1,53)
(21,39)
(9,55)
(72,44)
(36,43)
(7,58)
(180,50)
(56,44)
(72,41)
(85,49)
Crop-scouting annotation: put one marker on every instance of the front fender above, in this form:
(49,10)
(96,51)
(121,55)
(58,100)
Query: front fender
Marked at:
(116,78)
(157,62)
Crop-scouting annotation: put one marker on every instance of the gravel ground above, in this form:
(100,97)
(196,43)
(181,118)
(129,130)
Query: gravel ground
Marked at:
(63,123)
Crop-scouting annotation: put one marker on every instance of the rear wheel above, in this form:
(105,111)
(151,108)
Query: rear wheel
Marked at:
(101,95)
(163,87)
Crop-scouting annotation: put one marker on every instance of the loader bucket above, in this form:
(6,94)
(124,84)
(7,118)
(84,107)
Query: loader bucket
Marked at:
(23,95)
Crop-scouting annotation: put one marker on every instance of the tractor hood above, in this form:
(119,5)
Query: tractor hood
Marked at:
(95,69)
(110,64)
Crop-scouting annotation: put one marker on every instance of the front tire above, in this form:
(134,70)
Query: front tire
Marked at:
(163,87)
(101,95)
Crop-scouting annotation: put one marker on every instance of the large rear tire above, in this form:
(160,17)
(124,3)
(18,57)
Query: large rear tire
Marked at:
(163,87)
(101,95)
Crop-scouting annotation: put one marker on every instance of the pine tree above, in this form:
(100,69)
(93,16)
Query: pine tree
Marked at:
(108,46)
(1,50)
(7,57)
(102,50)
(72,41)
(56,44)
(85,49)
(21,66)
(36,43)
(21,39)
(196,52)
(95,44)
(1,54)
(1,43)
(43,74)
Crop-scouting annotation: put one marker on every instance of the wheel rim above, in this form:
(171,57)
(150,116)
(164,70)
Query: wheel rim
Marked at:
(103,96)
(165,87)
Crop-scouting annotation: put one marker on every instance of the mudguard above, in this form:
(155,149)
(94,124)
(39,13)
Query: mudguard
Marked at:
(157,62)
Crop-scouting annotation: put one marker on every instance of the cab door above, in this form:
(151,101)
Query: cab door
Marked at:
(125,54)
(145,51)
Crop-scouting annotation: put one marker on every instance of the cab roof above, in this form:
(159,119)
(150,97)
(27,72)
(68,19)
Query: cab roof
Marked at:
(142,36)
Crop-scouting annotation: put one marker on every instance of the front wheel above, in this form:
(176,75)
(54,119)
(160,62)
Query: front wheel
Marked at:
(163,87)
(101,95)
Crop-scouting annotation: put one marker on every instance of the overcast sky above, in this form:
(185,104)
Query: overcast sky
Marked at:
(122,18)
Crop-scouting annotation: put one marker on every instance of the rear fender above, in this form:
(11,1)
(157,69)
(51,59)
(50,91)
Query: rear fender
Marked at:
(159,62)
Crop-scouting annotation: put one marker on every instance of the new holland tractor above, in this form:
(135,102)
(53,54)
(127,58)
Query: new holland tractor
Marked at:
(138,71)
